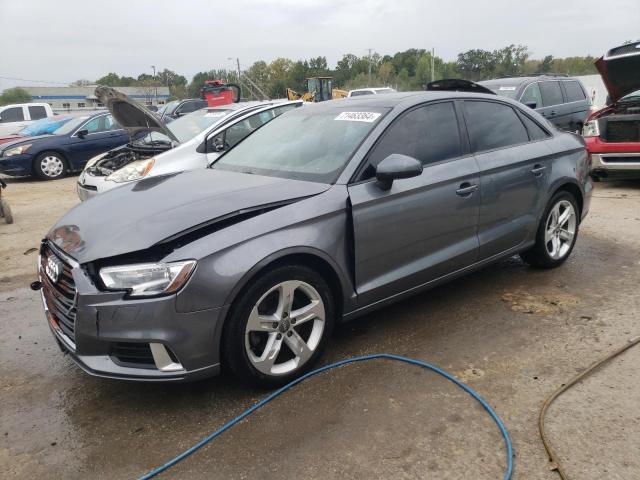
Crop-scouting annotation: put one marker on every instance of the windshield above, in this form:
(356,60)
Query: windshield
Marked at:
(71,125)
(45,126)
(187,127)
(632,97)
(170,107)
(508,91)
(305,144)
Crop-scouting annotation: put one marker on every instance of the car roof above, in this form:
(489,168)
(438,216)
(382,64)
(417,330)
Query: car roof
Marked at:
(394,99)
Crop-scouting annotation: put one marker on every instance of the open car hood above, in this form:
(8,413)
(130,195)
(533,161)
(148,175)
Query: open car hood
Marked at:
(620,70)
(458,85)
(131,115)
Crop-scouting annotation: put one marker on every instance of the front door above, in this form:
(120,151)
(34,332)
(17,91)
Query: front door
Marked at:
(423,227)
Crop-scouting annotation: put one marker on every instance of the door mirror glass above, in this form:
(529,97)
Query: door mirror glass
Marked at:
(395,167)
(82,133)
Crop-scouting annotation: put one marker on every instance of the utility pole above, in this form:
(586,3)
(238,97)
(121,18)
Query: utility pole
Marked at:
(433,64)
(238,63)
(154,81)
(369,65)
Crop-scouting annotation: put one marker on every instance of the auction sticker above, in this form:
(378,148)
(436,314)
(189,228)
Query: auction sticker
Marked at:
(368,117)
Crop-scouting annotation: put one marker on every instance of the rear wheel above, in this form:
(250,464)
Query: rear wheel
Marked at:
(50,166)
(279,326)
(557,233)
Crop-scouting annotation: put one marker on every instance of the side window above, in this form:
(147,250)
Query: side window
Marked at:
(536,132)
(92,126)
(37,112)
(429,134)
(493,125)
(532,95)
(110,123)
(14,114)
(551,93)
(574,91)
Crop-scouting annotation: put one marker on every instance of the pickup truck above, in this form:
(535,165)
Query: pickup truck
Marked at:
(15,117)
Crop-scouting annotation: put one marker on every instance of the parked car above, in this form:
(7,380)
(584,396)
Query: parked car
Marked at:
(44,126)
(320,216)
(178,108)
(68,149)
(358,92)
(560,99)
(17,116)
(185,144)
(613,133)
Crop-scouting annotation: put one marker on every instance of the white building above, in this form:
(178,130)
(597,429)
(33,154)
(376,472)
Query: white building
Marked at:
(83,98)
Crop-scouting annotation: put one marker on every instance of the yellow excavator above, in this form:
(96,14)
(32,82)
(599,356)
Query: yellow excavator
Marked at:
(319,89)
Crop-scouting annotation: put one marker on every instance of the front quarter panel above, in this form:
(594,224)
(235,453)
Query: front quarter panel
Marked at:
(229,258)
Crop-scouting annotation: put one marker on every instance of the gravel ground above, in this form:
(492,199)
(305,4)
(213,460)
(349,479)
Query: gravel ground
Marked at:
(513,333)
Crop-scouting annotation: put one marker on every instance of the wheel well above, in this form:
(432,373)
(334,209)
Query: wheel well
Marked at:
(311,261)
(575,191)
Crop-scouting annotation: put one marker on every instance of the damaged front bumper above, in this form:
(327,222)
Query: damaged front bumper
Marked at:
(110,336)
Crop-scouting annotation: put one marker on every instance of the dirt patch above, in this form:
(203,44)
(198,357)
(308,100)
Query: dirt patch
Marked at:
(539,303)
(36,206)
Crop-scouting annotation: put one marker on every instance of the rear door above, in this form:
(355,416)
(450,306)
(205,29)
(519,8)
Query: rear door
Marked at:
(423,227)
(554,107)
(514,167)
(577,103)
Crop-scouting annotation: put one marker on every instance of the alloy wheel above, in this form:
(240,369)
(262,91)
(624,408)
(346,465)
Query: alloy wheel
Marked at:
(560,229)
(51,166)
(285,327)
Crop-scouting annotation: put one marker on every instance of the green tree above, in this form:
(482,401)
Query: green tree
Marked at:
(14,95)
(476,64)
(111,80)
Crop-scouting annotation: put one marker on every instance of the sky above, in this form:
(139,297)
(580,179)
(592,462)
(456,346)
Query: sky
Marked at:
(66,40)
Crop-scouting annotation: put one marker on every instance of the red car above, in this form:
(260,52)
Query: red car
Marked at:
(613,133)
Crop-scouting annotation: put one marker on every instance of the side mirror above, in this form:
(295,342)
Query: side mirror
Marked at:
(82,133)
(531,105)
(395,167)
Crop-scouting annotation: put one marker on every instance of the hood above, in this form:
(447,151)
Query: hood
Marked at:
(10,138)
(620,70)
(20,140)
(139,215)
(131,115)
(458,85)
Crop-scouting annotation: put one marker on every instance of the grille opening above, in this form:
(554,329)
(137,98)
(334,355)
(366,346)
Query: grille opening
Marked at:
(130,354)
(59,295)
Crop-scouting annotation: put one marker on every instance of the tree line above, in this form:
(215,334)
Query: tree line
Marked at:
(408,70)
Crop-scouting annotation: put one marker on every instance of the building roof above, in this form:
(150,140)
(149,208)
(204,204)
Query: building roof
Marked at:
(87,93)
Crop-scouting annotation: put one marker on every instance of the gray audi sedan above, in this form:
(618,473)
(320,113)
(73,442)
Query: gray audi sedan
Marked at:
(320,216)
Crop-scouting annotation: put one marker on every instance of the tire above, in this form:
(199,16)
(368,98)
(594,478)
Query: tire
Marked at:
(259,323)
(50,166)
(555,239)
(5,209)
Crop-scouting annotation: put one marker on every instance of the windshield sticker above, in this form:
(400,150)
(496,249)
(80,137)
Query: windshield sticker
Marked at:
(368,117)
(507,88)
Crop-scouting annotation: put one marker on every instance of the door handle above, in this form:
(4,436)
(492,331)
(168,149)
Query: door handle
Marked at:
(466,189)
(538,170)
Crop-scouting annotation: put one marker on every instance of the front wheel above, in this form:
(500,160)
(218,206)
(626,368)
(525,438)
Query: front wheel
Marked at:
(557,233)
(279,326)
(50,166)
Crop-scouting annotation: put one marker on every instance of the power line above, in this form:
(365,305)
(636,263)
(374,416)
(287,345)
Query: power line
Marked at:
(34,81)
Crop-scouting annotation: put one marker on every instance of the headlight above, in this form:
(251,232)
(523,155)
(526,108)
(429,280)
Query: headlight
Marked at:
(134,171)
(591,129)
(93,160)
(16,150)
(146,279)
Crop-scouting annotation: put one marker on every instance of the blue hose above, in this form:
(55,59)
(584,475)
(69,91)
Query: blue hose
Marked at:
(280,391)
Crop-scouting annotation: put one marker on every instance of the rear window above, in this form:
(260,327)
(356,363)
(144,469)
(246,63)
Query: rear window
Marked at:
(37,112)
(493,125)
(574,91)
(551,93)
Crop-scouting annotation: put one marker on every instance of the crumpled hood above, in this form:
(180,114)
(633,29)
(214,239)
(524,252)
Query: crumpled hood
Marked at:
(620,70)
(138,215)
(131,115)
